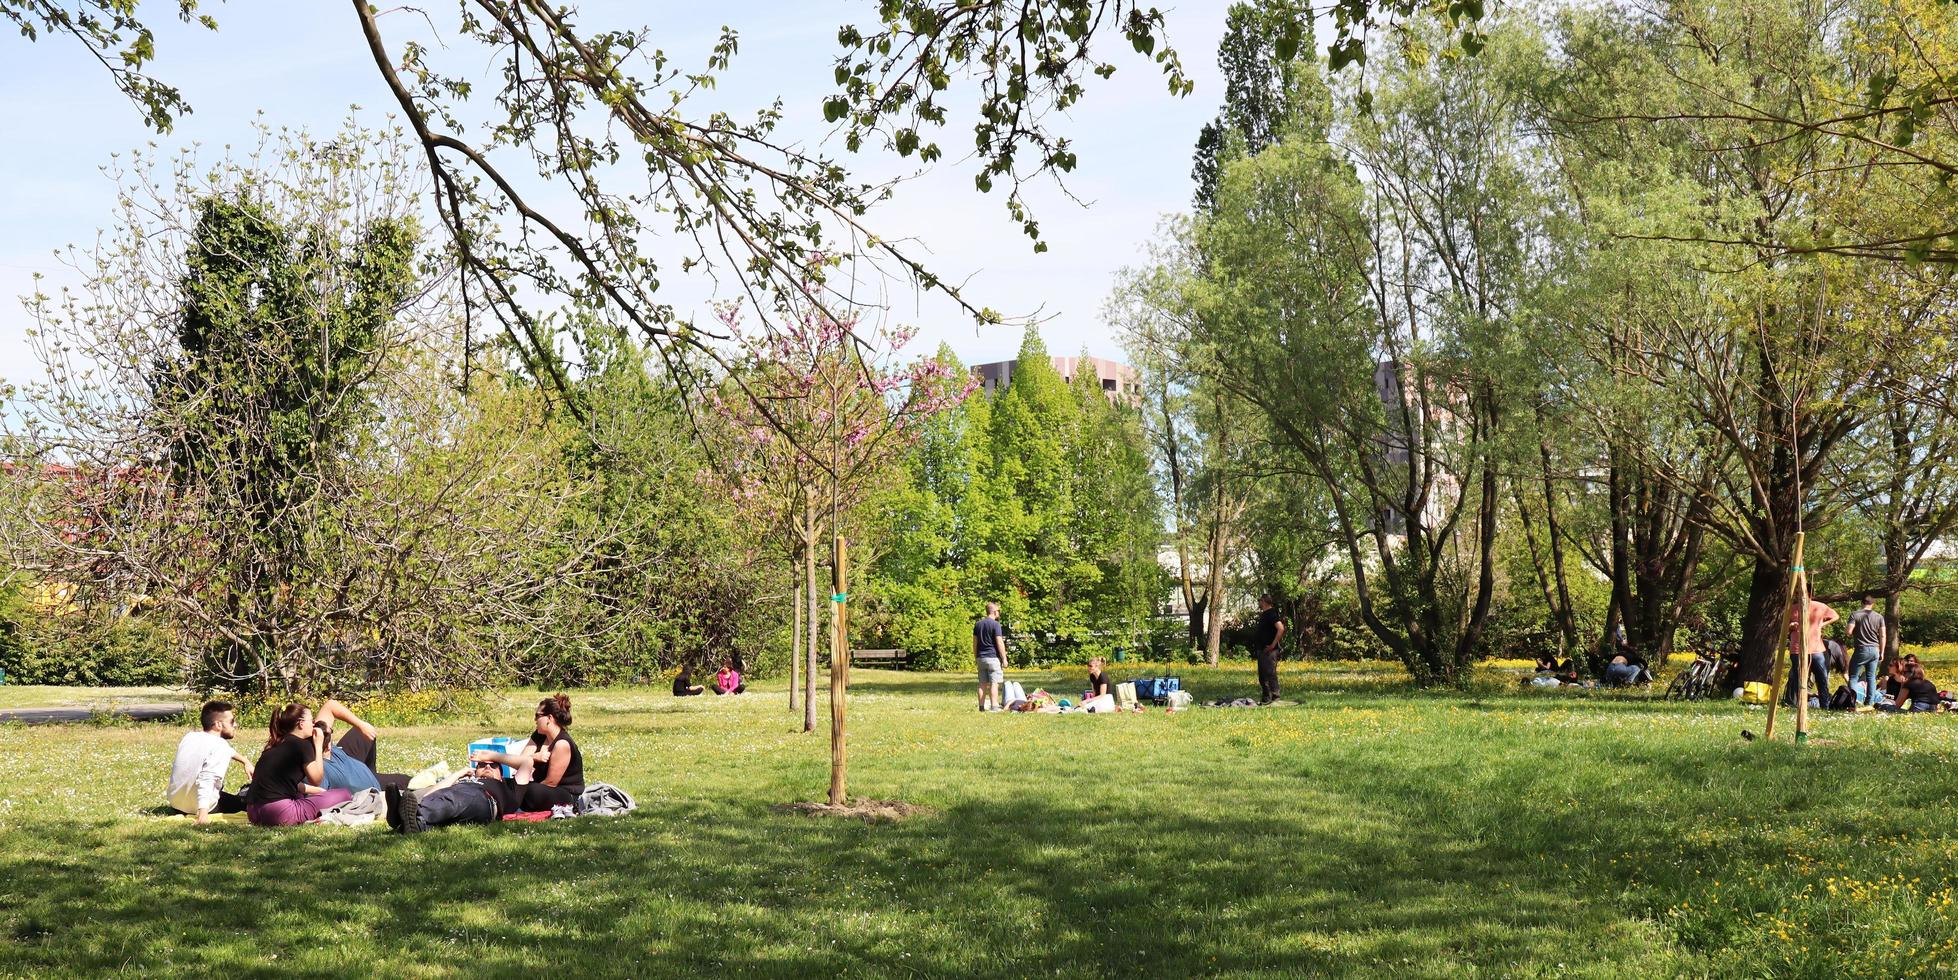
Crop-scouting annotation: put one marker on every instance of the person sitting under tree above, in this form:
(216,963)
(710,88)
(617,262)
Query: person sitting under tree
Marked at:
(683,685)
(549,769)
(727,680)
(1915,691)
(1098,682)
(287,784)
(203,757)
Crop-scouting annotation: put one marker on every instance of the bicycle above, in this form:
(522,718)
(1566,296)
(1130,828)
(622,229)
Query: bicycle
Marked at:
(1698,679)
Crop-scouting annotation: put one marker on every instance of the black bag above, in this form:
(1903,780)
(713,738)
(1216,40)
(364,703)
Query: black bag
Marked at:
(1844,699)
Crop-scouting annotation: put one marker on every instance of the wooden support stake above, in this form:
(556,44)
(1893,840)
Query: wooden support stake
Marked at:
(1801,647)
(839,675)
(1788,626)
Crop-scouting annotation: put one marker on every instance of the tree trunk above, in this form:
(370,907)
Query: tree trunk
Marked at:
(1767,610)
(839,675)
(1893,607)
(795,635)
(809,635)
(1214,629)
(1566,616)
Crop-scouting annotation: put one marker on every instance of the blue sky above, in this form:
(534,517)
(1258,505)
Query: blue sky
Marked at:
(303,65)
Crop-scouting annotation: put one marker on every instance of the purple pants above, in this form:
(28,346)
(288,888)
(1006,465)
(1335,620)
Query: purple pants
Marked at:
(288,813)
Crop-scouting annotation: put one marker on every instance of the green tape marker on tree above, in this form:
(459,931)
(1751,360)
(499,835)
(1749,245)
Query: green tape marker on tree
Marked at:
(840,597)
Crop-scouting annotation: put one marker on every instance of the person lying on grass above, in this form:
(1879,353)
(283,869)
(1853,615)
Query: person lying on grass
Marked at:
(351,765)
(476,795)
(287,786)
(549,769)
(203,757)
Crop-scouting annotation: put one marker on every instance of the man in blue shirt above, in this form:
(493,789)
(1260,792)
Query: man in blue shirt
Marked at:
(989,651)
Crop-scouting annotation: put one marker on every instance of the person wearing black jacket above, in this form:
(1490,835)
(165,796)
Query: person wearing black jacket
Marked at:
(1271,629)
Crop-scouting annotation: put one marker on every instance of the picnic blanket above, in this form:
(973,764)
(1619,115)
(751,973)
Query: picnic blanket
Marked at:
(238,819)
(598,800)
(367,806)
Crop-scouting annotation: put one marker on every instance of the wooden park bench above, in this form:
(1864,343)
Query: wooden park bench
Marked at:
(896,659)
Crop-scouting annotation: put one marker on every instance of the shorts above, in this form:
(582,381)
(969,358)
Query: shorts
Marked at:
(990,671)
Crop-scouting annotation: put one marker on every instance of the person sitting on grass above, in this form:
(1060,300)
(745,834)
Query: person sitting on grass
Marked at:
(549,771)
(1098,682)
(1916,692)
(1625,669)
(476,795)
(683,685)
(286,787)
(1894,677)
(203,757)
(727,680)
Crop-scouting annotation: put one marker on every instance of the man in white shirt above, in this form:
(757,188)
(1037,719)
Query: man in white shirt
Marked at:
(197,775)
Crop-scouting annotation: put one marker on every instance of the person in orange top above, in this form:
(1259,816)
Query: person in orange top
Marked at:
(1820,615)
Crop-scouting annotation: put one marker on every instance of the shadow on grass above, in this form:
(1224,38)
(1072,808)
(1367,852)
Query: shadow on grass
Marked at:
(1298,884)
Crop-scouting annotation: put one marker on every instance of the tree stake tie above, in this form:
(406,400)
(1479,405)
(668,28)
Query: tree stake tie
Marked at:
(840,597)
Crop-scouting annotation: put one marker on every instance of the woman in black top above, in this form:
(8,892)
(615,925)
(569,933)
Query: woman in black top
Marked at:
(1098,683)
(1917,693)
(683,685)
(550,769)
(286,782)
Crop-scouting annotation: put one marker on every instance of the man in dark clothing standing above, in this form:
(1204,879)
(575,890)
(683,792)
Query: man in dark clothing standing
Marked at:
(1869,633)
(989,651)
(1271,629)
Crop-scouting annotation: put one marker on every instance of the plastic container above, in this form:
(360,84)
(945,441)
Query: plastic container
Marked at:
(507,746)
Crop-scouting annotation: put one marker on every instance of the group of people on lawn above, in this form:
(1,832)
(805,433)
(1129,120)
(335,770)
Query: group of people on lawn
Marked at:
(989,654)
(1901,686)
(302,773)
(1904,685)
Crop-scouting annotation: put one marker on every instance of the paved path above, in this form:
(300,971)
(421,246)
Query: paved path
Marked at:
(55,716)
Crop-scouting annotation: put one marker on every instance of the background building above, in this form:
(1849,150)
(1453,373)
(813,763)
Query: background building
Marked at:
(1117,379)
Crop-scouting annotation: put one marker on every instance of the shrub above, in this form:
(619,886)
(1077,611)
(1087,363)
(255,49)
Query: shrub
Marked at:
(1929,616)
(72,649)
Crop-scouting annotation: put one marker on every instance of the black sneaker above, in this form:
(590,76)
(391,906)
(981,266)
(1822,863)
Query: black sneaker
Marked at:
(411,813)
(393,796)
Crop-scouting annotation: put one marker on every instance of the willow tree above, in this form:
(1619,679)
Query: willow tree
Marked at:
(1771,358)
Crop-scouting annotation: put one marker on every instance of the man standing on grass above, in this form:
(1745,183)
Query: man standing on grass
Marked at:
(203,757)
(1869,637)
(1820,614)
(989,649)
(1271,629)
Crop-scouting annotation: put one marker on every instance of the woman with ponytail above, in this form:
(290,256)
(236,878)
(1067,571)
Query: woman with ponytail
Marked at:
(550,770)
(286,782)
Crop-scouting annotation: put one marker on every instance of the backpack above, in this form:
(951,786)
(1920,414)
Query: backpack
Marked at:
(604,800)
(1844,699)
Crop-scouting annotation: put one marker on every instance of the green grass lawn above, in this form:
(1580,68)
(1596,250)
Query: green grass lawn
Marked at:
(1369,831)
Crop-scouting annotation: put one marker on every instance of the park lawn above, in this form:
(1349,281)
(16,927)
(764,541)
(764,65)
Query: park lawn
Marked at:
(1369,831)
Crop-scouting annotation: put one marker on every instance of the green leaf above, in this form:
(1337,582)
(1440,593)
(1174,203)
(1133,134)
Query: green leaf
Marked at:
(1287,46)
